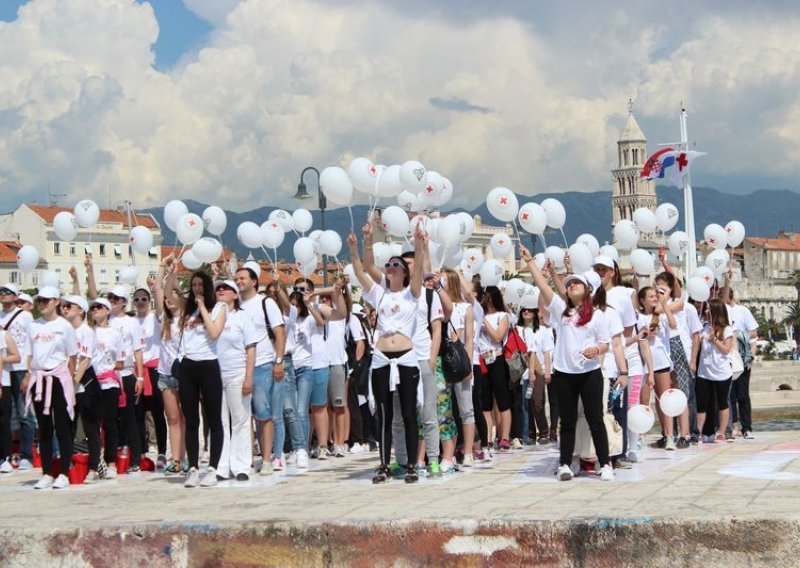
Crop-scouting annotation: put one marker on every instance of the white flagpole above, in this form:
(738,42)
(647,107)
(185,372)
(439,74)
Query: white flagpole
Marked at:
(688,205)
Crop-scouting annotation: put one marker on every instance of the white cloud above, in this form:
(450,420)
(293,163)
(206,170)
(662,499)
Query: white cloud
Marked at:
(284,84)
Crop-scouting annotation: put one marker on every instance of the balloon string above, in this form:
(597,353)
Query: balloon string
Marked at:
(352,223)
(563,236)
(374,207)
(180,254)
(275,265)
(544,242)
(516,228)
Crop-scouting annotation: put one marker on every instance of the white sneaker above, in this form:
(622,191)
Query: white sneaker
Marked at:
(6,467)
(25,465)
(516,444)
(355,449)
(607,472)
(61,482)
(487,455)
(277,463)
(670,444)
(302,459)
(339,451)
(469,460)
(266,468)
(291,459)
(564,473)
(210,478)
(324,454)
(46,482)
(91,477)
(111,472)
(192,478)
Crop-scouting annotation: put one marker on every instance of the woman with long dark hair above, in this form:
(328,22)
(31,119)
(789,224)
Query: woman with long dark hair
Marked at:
(495,391)
(714,372)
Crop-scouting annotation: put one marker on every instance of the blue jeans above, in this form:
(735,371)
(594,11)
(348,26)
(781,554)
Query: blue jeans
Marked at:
(268,403)
(526,409)
(290,417)
(303,380)
(25,422)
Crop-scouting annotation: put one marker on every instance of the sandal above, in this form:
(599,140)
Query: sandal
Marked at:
(382,474)
(411,474)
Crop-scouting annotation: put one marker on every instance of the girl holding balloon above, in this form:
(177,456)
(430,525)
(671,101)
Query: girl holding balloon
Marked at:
(714,369)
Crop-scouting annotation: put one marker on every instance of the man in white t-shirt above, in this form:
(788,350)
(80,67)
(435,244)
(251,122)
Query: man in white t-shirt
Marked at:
(15,321)
(746,330)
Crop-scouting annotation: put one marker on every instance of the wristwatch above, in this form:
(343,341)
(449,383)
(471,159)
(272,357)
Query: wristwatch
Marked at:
(279,360)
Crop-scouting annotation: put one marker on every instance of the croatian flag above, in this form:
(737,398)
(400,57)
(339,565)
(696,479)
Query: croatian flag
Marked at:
(670,164)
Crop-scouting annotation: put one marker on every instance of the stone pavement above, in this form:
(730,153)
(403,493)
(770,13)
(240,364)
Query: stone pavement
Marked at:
(737,503)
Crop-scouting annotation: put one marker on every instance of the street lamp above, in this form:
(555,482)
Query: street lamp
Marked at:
(302,193)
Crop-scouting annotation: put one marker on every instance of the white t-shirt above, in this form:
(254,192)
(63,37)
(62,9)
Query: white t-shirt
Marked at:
(197,345)
(301,356)
(422,337)
(356,331)
(714,365)
(573,339)
(168,349)
(107,351)
(397,311)
(615,327)
(477,326)
(239,332)
(336,342)
(5,377)
(132,341)
(743,319)
(527,335)
(290,321)
(19,333)
(151,333)
(543,343)
(494,319)
(51,343)
(254,308)
(86,341)
(658,341)
(621,299)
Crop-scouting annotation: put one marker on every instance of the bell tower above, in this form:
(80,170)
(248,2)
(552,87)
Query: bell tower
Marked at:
(630,192)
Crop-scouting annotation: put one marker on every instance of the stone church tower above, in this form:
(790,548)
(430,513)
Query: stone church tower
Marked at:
(629,192)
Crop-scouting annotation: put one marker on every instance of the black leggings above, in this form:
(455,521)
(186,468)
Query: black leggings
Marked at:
(495,386)
(200,383)
(128,428)
(5,422)
(98,407)
(155,405)
(480,420)
(57,420)
(589,388)
(407,390)
(707,389)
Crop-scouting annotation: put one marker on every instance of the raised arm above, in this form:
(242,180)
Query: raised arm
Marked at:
(420,254)
(545,291)
(76,286)
(444,297)
(91,285)
(158,289)
(372,269)
(363,278)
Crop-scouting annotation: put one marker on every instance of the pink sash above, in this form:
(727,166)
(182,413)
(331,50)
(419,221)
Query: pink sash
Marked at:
(113,377)
(149,367)
(42,384)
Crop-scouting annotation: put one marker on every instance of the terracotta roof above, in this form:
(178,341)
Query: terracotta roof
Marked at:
(784,242)
(8,252)
(48,213)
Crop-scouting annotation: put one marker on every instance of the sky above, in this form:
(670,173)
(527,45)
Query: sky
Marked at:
(226,101)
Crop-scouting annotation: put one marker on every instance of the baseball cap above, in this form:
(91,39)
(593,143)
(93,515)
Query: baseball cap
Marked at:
(13,288)
(48,292)
(78,301)
(593,279)
(120,292)
(254,266)
(102,302)
(23,297)
(573,277)
(228,284)
(603,260)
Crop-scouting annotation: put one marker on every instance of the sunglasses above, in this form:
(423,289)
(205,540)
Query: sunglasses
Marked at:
(4,291)
(44,300)
(66,305)
(394,264)
(299,288)
(20,303)
(224,289)
(96,307)
(113,298)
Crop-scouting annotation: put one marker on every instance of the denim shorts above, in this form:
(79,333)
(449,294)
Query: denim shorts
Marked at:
(319,386)
(167,382)
(262,392)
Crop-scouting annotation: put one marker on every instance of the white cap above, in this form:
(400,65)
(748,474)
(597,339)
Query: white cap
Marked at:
(102,302)
(254,266)
(228,284)
(603,260)
(9,286)
(23,297)
(49,293)
(78,301)
(121,292)
(579,277)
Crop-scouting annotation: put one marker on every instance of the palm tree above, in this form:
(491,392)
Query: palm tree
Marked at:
(792,319)
(794,280)
(768,328)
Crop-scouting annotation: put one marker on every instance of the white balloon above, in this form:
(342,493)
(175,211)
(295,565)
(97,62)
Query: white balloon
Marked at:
(434,188)
(581,258)
(640,419)
(433,229)
(502,204)
(308,268)
(678,243)
(468,225)
(283,218)
(501,244)
(173,211)
(698,289)
(27,258)
(446,194)
(190,261)
(330,243)
(533,218)
(706,274)
(452,230)
(555,255)
(412,176)
(207,249)
(611,252)
(190,228)
(408,201)
(129,274)
(556,215)
(530,299)
(351,275)
(65,226)
(304,250)
(389,183)
(540,259)
(735,232)
(718,260)
(141,239)
(336,185)
(416,220)
(249,234)
(673,402)
(491,272)
(473,257)
(51,279)
(314,236)
(215,220)
(364,175)
(626,234)
(87,213)
(642,262)
(716,236)
(302,220)
(515,290)
(394,220)
(667,216)
(396,249)
(645,220)
(452,257)
(591,242)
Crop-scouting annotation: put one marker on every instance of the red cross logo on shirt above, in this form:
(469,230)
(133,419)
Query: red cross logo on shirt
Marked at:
(503,200)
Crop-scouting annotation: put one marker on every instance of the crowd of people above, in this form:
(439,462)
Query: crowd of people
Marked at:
(432,369)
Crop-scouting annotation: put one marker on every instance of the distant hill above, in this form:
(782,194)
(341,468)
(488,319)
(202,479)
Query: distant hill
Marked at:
(763,212)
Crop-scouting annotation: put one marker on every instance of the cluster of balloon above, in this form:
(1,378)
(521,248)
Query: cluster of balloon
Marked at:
(189,228)
(717,261)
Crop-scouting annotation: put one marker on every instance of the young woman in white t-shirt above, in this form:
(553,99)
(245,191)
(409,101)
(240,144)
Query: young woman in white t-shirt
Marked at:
(495,389)
(582,338)
(714,372)
(9,354)
(200,380)
(394,363)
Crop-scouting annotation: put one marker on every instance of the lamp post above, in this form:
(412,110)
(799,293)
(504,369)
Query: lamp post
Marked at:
(302,193)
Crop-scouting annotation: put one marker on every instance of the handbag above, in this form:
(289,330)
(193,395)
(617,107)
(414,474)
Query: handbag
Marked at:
(456,364)
(517,364)
(737,364)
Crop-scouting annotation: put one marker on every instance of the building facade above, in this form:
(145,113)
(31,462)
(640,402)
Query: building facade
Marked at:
(629,191)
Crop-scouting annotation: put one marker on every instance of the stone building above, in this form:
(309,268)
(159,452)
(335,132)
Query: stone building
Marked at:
(629,191)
